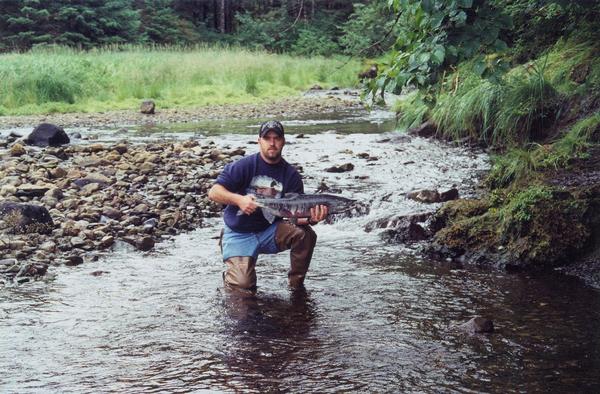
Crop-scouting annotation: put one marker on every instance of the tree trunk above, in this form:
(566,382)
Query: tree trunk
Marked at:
(222,17)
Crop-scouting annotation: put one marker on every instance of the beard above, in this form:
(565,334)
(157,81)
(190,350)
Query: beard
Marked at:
(272,154)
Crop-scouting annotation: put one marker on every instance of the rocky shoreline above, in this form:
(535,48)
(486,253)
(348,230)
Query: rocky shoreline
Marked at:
(101,194)
(312,102)
(97,196)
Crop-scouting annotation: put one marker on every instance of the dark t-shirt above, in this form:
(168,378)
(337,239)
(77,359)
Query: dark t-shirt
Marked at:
(252,175)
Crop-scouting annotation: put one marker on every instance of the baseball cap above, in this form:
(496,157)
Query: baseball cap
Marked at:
(271,125)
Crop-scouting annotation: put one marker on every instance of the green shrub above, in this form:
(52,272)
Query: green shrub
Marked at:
(312,41)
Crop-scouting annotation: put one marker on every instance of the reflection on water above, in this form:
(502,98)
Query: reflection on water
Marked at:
(374,317)
(265,334)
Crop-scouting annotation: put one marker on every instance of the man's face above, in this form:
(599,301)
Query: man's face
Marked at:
(271,145)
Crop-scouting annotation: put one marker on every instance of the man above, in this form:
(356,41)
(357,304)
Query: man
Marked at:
(247,233)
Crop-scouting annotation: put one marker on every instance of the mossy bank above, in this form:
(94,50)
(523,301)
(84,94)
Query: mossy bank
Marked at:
(541,122)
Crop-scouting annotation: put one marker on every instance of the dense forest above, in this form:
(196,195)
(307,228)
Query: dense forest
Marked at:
(306,27)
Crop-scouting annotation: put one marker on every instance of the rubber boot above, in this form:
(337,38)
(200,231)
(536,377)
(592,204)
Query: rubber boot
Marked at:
(240,273)
(301,240)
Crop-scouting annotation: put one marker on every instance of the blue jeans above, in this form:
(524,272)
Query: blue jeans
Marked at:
(249,244)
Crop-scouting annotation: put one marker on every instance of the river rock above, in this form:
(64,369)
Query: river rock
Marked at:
(25,218)
(58,152)
(8,190)
(57,173)
(424,196)
(112,213)
(120,148)
(17,150)
(448,195)
(48,246)
(341,168)
(147,107)
(477,325)
(107,241)
(145,243)
(395,221)
(55,193)
(409,232)
(427,129)
(73,260)
(77,242)
(90,189)
(30,190)
(46,134)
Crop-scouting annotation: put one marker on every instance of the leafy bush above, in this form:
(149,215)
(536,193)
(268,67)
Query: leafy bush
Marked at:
(313,41)
(364,32)
(436,35)
(269,31)
(537,24)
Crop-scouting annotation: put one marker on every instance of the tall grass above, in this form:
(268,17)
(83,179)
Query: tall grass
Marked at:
(520,165)
(512,110)
(412,110)
(64,80)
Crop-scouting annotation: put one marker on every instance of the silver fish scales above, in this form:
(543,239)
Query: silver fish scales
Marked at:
(295,206)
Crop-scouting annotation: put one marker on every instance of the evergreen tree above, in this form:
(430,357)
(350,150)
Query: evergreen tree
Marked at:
(91,22)
(160,23)
(24,23)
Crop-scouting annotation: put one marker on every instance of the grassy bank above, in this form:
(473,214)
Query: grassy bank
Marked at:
(541,120)
(66,80)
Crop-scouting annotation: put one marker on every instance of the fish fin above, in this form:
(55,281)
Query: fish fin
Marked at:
(268,215)
(291,195)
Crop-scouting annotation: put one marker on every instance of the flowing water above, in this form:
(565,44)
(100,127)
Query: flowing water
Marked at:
(374,317)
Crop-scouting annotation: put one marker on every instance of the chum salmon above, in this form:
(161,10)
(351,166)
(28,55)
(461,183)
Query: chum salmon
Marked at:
(294,205)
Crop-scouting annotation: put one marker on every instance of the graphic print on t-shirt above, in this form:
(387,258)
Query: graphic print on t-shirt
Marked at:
(262,185)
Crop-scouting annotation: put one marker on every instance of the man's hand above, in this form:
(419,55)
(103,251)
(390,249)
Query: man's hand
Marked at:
(247,204)
(318,214)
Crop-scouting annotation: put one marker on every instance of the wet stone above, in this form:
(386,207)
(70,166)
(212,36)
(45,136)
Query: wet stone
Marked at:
(477,325)
(341,168)
(17,150)
(73,260)
(145,243)
(424,196)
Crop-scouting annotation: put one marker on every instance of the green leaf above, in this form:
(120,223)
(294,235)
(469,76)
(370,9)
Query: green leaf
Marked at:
(427,5)
(460,19)
(424,57)
(452,50)
(438,54)
(437,19)
(465,3)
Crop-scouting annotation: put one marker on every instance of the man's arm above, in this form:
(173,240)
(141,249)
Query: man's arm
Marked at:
(218,193)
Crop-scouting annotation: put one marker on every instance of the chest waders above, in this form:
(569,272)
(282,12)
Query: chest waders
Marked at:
(240,272)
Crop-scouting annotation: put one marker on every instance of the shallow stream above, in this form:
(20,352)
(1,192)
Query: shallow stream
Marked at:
(374,317)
